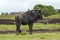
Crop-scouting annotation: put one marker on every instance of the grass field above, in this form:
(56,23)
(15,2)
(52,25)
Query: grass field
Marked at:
(56,16)
(35,36)
(7,17)
(35,26)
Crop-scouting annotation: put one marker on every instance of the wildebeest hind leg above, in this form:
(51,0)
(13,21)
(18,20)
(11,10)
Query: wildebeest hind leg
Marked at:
(18,28)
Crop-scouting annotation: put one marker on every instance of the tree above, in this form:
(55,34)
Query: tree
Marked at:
(2,13)
(58,11)
(6,13)
(46,10)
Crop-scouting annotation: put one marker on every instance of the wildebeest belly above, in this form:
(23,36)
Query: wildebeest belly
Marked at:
(25,20)
(24,23)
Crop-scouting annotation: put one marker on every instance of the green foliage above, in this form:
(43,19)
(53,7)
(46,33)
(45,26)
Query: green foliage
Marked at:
(46,10)
(58,11)
(2,14)
(6,13)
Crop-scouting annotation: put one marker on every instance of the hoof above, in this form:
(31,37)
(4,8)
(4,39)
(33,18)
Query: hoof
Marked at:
(17,33)
(30,33)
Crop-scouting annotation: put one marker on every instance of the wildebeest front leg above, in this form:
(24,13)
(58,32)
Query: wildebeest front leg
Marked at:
(30,28)
(18,28)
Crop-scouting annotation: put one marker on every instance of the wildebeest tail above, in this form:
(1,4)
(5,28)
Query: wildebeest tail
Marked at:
(17,19)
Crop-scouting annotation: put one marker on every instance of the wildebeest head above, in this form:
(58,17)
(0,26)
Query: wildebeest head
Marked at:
(38,13)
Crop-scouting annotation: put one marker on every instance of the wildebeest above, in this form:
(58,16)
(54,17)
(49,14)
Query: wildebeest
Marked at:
(29,17)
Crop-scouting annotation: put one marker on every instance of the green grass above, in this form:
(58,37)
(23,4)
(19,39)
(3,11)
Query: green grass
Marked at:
(7,17)
(35,36)
(54,16)
(35,26)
